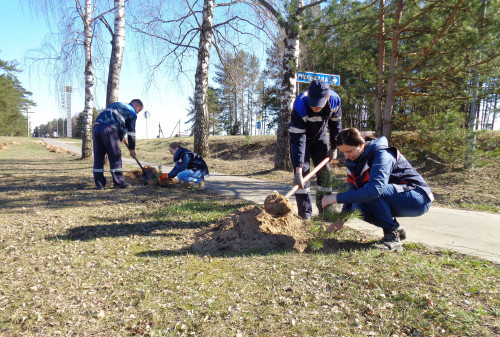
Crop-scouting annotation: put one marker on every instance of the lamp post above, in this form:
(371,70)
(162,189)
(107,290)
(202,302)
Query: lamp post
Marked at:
(28,119)
(147,114)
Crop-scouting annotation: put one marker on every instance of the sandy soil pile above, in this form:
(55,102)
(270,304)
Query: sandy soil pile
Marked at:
(135,177)
(252,228)
(55,149)
(277,205)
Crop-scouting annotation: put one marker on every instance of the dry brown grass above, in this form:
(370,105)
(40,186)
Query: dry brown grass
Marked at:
(81,262)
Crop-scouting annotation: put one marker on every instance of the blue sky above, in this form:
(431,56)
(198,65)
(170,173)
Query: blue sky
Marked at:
(21,31)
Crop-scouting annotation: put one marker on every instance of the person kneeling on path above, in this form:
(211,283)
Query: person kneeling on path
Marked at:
(110,128)
(315,112)
(382,185)
(189,167)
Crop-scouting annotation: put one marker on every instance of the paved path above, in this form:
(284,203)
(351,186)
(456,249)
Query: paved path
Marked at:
(467,232)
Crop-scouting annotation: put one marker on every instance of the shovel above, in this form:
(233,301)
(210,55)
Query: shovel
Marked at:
(308,176)
(276,204)
(145,175)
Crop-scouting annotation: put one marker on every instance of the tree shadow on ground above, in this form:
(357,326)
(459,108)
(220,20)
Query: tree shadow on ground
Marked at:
(87,233)
(264,172)
(331,246)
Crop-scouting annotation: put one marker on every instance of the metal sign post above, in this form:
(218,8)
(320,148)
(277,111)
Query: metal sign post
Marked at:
(147,114)
(28,120)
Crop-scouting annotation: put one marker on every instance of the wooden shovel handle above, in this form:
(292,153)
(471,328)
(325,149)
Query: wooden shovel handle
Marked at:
(308,176)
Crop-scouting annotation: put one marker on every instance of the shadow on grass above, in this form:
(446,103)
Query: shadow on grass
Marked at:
(86,233)
(331,246)
(334,246)
(188,251)
(264,172)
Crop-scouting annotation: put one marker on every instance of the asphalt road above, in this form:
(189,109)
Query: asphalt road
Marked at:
(467,232)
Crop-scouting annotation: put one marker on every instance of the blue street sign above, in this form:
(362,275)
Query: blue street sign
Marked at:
(258,125)
(306,77)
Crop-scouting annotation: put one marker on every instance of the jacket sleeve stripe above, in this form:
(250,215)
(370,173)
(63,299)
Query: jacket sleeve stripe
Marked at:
(293,129)
(315,119)
(118,115)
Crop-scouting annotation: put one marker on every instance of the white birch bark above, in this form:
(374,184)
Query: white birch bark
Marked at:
(89,81)
(117,48)
(201,81)
(288,89)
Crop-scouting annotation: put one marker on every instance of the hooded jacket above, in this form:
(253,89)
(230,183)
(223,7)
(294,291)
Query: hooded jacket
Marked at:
(122,118)
(376,167)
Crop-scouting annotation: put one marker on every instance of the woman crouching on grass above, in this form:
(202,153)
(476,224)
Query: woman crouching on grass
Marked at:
(382,185)
(189,167)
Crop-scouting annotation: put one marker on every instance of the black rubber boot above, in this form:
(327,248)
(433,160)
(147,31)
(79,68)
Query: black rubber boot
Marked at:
(401,231)
(390,242)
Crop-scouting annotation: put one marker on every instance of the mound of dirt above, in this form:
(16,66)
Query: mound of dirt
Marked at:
(55,149)
(252,228)
(277,205)
(135,177)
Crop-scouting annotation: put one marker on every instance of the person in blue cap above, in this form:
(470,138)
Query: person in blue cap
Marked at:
(315,112)
(110,128)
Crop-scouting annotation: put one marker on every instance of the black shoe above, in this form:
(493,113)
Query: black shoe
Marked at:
(126,185)
(390,242)
(402,233)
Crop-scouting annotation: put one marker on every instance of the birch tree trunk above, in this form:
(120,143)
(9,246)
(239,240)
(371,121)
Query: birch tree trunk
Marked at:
(288,89)
(89,81)
(201,81)
(391,82)
(117,48)
(381,70)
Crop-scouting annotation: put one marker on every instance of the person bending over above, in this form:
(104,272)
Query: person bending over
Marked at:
(189,167)
(110,128)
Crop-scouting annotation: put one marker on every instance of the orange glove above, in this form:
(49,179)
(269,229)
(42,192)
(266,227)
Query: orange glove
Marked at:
(164,176)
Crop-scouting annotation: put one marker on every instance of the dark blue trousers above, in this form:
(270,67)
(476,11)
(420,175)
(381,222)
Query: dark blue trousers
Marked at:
(392,204)
(106,141)
(315,150)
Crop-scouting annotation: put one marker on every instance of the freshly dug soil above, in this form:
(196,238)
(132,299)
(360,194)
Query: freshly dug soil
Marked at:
(55,149)
(252,228)
(277,205)
(135,177)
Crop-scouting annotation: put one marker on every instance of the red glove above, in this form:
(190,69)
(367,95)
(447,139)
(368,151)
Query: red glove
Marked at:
(164,176)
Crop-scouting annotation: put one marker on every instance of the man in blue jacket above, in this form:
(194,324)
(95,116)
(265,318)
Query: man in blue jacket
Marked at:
(314,113)
(110,128)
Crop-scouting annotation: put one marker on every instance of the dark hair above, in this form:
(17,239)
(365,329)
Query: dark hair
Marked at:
(352,137)
(174,145)
(137,101)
